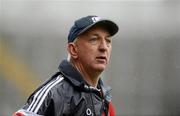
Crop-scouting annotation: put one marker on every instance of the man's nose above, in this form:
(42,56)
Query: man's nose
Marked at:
(103,45)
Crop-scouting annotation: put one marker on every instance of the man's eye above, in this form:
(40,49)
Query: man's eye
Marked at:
(93,40)
(108,40)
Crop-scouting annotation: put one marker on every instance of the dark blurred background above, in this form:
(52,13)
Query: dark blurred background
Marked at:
(145,63)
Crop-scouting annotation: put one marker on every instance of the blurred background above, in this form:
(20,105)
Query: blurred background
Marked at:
(144,71)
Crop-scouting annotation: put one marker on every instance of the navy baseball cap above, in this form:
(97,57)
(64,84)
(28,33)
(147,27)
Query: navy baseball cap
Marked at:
(83,24)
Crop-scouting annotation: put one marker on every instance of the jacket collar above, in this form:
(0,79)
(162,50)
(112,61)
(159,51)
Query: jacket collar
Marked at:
(75,78)
(68,70)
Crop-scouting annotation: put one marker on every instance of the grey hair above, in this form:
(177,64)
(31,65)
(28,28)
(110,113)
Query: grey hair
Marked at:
(69,55)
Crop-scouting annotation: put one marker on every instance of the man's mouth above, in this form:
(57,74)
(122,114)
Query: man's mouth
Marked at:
(101,58)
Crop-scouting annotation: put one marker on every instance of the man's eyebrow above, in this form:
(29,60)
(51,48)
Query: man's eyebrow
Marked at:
(96,34)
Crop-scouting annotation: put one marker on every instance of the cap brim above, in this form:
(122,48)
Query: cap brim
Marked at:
(109,25)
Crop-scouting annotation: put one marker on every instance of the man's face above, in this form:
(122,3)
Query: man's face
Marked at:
(94,48)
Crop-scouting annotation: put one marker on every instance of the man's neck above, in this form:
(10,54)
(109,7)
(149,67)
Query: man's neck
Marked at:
(91,77)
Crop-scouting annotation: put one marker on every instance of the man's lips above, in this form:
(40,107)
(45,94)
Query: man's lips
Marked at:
(101,58)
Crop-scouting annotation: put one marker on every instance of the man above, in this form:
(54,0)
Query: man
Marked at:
(76,89)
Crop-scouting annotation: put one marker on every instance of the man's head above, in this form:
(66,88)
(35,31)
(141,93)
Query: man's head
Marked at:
(89,42)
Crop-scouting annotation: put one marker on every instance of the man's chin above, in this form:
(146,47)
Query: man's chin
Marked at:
(100,68)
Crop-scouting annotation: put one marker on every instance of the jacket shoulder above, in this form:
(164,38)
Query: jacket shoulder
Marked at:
(41,99)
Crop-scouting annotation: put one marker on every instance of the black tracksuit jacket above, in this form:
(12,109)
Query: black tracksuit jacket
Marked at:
(67,94)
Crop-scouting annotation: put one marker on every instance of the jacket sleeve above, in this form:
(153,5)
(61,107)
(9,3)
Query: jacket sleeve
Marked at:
(41,102)
(36,106)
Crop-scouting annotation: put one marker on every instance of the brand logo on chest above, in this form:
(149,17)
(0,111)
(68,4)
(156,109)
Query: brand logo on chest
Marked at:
(89,112)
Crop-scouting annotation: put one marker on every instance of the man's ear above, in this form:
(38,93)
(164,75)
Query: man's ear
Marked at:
(72,49)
